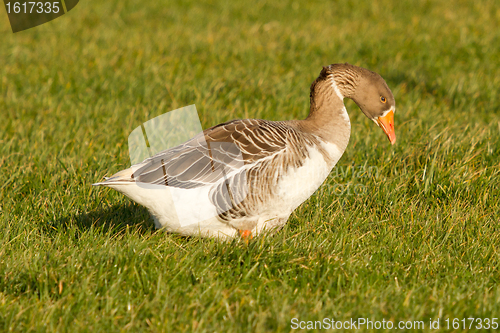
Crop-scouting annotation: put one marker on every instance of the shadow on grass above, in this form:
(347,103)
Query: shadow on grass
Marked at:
(112,219)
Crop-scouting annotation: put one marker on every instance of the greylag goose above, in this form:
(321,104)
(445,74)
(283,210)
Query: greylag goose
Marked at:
(243,177)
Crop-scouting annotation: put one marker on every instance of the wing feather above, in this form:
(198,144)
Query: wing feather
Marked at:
(241,159)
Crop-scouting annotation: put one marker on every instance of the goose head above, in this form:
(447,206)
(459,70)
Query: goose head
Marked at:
(368,90)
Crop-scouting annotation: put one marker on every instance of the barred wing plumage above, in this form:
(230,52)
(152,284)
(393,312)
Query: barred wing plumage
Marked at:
(240,159)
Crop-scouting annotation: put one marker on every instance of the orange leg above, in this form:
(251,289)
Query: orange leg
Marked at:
(245,235)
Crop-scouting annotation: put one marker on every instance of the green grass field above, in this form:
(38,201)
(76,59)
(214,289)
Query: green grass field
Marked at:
(411,233)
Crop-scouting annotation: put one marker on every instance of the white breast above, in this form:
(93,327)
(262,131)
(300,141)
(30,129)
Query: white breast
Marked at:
(298,184)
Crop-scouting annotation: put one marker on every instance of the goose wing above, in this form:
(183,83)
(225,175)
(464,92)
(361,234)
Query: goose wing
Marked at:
(241,160)
(218,153)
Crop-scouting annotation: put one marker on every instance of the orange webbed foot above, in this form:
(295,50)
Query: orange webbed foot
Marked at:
(246,235)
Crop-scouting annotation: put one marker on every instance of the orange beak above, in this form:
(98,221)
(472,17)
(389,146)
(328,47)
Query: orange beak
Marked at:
(387,124)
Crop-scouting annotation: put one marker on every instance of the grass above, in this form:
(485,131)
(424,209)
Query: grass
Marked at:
(411,234)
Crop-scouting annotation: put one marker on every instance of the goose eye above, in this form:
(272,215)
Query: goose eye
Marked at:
(382,99)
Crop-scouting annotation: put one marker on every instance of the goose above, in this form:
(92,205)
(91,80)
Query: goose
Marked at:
(243,177)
